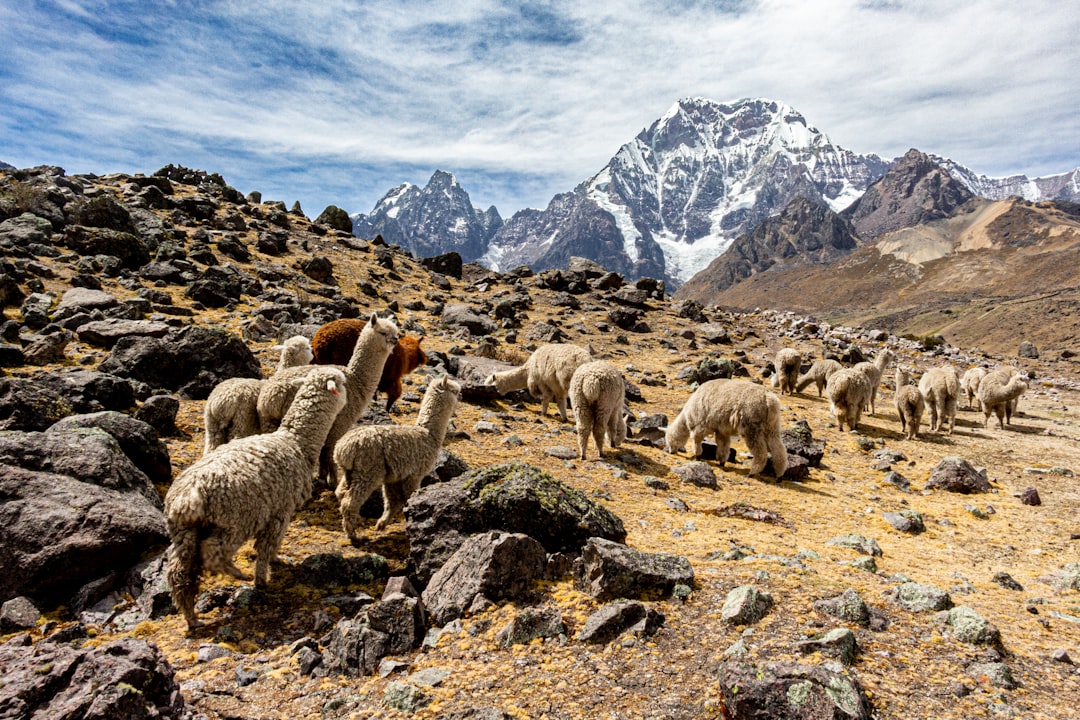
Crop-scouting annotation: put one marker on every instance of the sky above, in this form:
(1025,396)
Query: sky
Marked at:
(338,101)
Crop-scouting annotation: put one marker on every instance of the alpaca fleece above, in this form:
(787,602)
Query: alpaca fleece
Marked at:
(909,405)
(362,374)
(597,393)
(969,385)
(547,374)
(873,372)
(998,393)
(787,363)
(247,488)
(333,344)
(393,457)
(819,374)
(231,409)
(725,408)
(848,392)
(940,388)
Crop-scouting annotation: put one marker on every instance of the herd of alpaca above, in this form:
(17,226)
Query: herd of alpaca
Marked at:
(268,440)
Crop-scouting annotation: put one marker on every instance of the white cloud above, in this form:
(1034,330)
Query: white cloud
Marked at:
(525,99)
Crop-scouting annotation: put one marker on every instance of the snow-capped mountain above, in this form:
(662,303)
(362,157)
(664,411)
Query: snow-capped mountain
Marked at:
(1054,187)
(431,220)
(677,195)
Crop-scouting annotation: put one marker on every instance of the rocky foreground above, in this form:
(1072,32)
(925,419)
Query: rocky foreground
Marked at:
(880,577)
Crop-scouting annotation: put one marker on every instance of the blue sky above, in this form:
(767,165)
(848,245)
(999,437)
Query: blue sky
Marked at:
(336,102)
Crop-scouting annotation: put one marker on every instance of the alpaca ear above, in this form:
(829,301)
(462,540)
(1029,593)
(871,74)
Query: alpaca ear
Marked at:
(374,319)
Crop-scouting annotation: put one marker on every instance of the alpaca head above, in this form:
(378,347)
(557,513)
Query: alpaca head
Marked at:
(386,332)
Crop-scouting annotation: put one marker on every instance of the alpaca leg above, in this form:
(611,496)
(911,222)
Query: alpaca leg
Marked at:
(183,566)
(561,400)
(778,452)
(1000,412)
(599,428)
(723,447)
(545,399)
(585,425)
(392,394)
(856,413)
(950,413)
(352,494)
(267,542)
(759,450)
(697,437)
(393,502)
(218,552)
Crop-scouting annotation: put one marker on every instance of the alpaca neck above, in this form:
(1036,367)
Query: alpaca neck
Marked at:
(516,379)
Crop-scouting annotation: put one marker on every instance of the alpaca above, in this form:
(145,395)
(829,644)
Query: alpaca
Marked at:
(909,405)
(786,364)
(546,374)
(247,488)
(969,386)
(848,392)
(362,374)
(597,393)
(404,358)
(998,393)
(230,411)
(724,408)
(393,457)
(940,388)
(873,372)
(819,374)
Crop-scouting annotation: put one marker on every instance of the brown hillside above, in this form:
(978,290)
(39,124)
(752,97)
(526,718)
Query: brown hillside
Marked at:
(908,666)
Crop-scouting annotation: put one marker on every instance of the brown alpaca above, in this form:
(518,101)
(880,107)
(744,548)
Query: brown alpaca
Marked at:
(333,344)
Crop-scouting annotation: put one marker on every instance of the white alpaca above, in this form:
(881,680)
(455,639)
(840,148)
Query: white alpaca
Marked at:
(998,393)
(940,388)
(909,405)
(546,374)
(786,366)
(248,488)
(365,367)
(725,408)
(819,374)
(874,371)
(597,393)
(393,457)
(231,409)
(969,385)
(848,392)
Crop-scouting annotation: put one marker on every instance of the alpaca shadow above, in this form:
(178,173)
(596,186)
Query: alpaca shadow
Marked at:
(802,486)
(632,461)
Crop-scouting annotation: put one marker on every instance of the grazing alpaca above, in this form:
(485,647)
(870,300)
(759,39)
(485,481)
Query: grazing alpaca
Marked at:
(247,488)
(819,374)
(725,408)
(998,393)
(597,393)
(546,374)
(969,385)
(909,405)
(787,365)
(333,344)
(873,372)
(848,392)
(940,388)
(393,457)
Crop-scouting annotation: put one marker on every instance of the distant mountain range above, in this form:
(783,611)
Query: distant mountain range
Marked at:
(679,195)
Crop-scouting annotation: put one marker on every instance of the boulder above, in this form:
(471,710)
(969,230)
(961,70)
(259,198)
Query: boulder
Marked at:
(617,617)
(515,498)
(138,440)
(105,333)
(916,597)
(746,605)
(608,570)
(446,264)
(496,565)
(460,315)
(957,475)
(790,691)
(848,606)
(530,624)
(38,402)
(126,678)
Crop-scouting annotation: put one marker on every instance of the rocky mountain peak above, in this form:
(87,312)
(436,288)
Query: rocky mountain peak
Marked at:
(915,190)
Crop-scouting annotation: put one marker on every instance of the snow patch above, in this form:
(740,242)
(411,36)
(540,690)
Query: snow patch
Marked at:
(682,261)
(623,220)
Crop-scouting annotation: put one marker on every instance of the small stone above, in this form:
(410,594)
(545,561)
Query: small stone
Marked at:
(1061,656)
(561,452)
(1030,496)
(997,674)
(697,473)
(246,676)
(1006,580)
(209,652)
(906,521)
(388,667)
(405,698)
(839,643)
(746,605)
(866,546)
(429,677)
(655,483)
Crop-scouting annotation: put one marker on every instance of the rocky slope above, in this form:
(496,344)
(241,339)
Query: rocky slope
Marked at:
(193,254)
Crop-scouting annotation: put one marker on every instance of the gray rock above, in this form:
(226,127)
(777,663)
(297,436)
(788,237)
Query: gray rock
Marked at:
(429,677)
(47,349)
(847,606)
(969,627)
(697,473)
(916,597)
(906,521)
(799,441)
(406,698)
(1067,578)
(1030,496)
(617,617)
(899,481)
(1028,350)
(561,452)
(39,402)
(531,623)
(462,316)
(208,652)
(746,605)
(957,475)
(106,333)
(839,643)
(515,498)
(790,691)
(864,545)
(125,678)
(1007,581)
(608,570)
(18,613)
(996,673)
(78,300)
(496,565)
(335,570)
